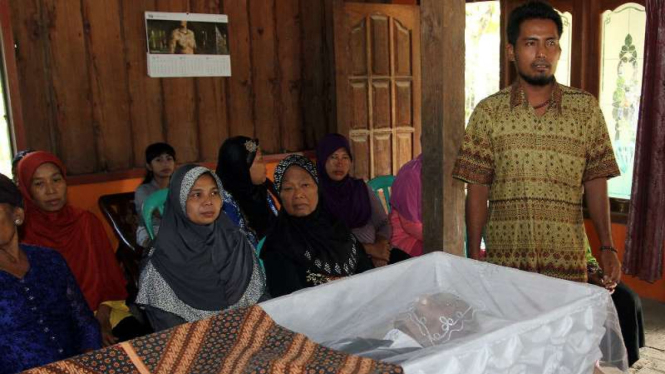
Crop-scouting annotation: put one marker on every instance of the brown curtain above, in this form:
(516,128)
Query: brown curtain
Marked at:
(646,218)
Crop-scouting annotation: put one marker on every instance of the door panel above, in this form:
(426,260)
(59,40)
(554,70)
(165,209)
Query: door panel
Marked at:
(382,153)
(380,41)
(358,105)
(361,152)
(403,103)
(402,50)
(358,46)
(381,104)
(403,151)
(377,54)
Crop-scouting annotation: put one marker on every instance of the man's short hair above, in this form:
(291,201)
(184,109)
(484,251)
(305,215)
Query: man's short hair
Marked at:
(531,10)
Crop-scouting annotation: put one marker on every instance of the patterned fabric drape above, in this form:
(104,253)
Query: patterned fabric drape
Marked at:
(236,341)
(646,218)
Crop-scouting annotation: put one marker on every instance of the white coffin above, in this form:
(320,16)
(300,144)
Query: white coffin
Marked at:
(523,322)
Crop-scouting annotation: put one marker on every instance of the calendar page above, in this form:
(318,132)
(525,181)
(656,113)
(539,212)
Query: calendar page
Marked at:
(187,45)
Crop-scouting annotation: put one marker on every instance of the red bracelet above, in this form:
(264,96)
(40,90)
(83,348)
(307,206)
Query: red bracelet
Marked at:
(608,248)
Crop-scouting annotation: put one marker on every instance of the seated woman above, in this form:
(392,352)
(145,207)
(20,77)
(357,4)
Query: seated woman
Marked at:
(44,316)
(627,304)
(201,263)
(406,214)
(78,235)
(159,166)
(351,200)
(247,200)
(307,246)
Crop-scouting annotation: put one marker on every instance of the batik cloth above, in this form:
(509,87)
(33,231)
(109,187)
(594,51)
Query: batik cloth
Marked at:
(238,341)
(536,167)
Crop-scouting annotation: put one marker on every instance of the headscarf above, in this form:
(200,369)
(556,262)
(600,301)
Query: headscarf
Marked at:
(76,234)
(236,156)
(347,199)
(9,193)
(207,266)
(406,192)
(318,241)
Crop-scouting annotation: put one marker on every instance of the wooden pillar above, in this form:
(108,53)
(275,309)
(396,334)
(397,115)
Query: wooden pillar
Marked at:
(442,61)
(507,72)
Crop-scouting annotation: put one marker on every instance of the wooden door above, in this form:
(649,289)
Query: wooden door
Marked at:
(377,63)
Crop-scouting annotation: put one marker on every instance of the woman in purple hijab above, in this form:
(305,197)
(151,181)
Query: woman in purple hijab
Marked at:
(350,199)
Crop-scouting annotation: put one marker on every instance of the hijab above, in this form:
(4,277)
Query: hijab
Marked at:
(207,266)
(236,157)
(76,234)
(347,199)
(318,241)
(406,190)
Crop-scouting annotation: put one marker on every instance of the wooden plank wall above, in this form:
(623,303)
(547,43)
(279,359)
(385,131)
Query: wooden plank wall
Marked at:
(86,95)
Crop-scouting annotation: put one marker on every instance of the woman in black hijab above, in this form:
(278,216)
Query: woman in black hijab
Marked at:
(248,201)
(201,263)
(307,246)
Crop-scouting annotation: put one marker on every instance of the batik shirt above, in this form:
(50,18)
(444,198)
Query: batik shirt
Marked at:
(536,168)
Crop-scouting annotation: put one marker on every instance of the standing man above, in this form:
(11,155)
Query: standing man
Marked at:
(532,150)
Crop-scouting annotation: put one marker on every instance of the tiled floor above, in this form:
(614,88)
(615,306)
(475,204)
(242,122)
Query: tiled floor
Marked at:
(652,357)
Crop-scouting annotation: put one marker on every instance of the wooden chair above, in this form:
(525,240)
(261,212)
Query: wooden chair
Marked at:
(121,215)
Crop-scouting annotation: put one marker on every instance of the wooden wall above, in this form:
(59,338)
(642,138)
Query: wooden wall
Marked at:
(86,95)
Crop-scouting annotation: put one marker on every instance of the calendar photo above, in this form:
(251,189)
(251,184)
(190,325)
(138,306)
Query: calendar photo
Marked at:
(187,45)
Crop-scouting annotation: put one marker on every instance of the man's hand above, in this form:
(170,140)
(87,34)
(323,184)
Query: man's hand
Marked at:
(474,253)
(596,278)
(609,261)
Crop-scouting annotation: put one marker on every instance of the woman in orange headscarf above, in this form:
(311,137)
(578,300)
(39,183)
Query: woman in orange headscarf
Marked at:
(78,235)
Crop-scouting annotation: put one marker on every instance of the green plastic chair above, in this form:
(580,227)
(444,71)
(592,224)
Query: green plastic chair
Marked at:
(382,184)
(154,202)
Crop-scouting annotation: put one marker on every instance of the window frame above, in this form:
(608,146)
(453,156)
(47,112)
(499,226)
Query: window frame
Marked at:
(9,70)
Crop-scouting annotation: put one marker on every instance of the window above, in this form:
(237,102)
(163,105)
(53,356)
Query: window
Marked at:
(622,53)
(483,43)
(5,139)
(562,73)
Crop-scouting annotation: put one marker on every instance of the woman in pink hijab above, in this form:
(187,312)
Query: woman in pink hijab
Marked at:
(406,213)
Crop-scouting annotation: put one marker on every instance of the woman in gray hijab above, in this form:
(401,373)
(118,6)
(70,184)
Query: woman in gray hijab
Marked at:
(201,263)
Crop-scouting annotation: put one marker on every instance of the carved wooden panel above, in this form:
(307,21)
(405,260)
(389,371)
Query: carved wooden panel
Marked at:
(403,103)
(358,96)
(381,105)
(404,146)
(378,104)
(402,45)
(380,45)
(358,47)
(360,147)
(382,152)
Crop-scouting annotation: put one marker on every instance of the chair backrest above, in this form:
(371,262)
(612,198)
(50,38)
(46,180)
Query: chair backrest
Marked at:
(381,186)
(154,202)
(258,251)
(119,211)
